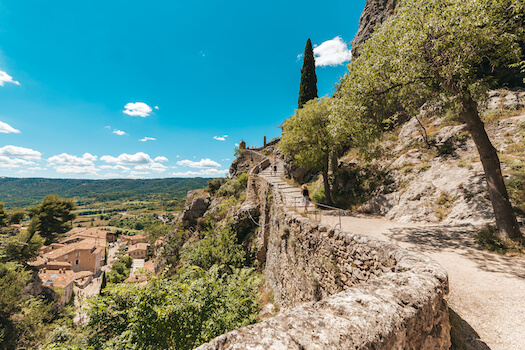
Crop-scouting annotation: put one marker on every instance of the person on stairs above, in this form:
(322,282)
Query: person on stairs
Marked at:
(305,200)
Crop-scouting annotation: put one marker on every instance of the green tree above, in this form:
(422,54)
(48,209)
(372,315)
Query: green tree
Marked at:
(168,314)
(52,217)
(3,215)
(12,279)
(308,140)
(16,216)
(308,86)
(432,51)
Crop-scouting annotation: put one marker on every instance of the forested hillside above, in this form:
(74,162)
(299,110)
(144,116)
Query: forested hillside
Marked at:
(23,192)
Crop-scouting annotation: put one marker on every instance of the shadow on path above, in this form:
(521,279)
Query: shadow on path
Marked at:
(463,336)
(460,240)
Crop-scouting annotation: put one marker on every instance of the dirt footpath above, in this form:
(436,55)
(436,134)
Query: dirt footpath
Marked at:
(487,290)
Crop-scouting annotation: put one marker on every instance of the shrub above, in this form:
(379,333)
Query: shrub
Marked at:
(489,238)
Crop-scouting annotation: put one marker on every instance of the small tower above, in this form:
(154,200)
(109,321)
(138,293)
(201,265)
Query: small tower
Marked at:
(242,145)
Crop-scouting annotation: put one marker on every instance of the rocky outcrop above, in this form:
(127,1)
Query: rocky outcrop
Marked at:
(245,162)
(196,206)
(340,290)
(445,182)
(375,13)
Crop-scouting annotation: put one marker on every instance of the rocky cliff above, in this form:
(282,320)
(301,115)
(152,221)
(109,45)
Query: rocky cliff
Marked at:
(445,182)
(375,13)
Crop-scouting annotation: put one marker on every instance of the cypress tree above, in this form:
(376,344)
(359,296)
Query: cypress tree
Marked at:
(308,87)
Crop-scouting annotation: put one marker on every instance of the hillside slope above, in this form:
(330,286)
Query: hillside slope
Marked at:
(22,192)
(445,182)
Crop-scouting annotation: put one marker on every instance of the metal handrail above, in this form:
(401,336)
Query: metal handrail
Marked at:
(339,210)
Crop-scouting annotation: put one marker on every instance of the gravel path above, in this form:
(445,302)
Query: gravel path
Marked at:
(487,290)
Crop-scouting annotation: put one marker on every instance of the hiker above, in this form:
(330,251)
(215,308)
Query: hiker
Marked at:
(305,200)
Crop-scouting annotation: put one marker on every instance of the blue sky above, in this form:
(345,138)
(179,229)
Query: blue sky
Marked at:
(162,88)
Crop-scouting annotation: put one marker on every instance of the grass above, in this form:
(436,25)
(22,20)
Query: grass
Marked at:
(444,202)
(490,240)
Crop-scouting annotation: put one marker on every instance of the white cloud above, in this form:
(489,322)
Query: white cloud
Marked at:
(14,163)
(116,167)
(137,109)
(332,53)
(6,129)
(66,159)
(156,167)
(202,164)
(148,139)
(6,78)
(161,159)
(76,169)
(124,158)
(220,138)
(202,173)
(20,152)
(107,127)
(156,107)
(119,132)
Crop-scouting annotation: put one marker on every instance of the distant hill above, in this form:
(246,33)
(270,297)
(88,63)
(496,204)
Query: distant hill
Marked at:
(23,192)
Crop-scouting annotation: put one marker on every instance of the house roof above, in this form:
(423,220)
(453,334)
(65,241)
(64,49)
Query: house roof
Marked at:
(56,278)
(88,244)
(138,246)
(41,263)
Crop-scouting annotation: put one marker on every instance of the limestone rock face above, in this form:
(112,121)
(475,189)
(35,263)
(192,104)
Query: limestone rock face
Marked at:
(195,208)
(432,185)
(244,162)
(375,13)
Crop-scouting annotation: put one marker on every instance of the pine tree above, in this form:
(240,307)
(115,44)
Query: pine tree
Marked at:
(308,87)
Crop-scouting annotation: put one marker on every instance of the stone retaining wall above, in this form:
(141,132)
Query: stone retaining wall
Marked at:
(340,290)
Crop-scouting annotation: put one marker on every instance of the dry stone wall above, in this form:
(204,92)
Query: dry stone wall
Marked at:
(340,290)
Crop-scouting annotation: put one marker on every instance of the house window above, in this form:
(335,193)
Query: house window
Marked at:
(77,262)
(77,254)
(65,257)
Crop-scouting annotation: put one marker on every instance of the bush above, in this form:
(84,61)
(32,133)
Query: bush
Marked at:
(217,248)
(488,237)
(233,187)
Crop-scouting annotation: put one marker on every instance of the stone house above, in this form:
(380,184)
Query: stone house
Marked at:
(138,251)
(62,278)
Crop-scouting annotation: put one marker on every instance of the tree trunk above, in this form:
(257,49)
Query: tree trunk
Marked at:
(505,218)
(327,192)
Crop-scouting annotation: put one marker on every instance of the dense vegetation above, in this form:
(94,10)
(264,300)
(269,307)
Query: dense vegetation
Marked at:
(23,192)
(428,52)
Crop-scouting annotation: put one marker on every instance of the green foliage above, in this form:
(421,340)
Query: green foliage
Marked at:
(219,247)
(16,216)
(233,187)
(488,237)
(16,248)
(3,215)
(169,314)
(318,196)
(215,184)
(308,86)
(120,270)
(306,135)
(52,217)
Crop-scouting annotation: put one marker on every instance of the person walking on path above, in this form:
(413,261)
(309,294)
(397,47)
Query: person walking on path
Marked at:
(305,200)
